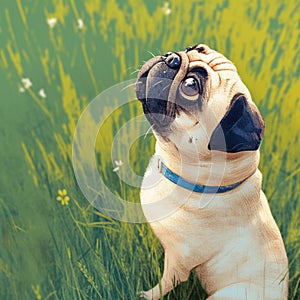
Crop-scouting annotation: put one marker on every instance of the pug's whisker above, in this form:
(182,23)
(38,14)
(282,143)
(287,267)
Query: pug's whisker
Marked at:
(151,53)
(157,83)
(126,87)
(127,69)
(129,72)
(147,132)
(135,71)
(141,64)
(164,88)
(138,83)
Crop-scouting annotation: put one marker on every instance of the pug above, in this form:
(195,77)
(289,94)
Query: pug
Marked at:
(201,193)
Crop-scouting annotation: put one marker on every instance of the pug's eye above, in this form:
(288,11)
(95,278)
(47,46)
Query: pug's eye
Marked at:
(190,88)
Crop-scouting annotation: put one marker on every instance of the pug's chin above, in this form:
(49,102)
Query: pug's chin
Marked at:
(160,124)
(161,131)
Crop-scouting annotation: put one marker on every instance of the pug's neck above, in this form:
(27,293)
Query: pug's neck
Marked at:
(216,169)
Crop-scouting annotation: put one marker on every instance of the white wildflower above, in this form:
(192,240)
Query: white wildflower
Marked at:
(21,89)
(51,22)
(42,93)
(166,9)
(80,23)
(26,82)
(118,164)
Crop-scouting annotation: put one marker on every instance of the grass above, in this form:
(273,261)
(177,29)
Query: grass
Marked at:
(54,251)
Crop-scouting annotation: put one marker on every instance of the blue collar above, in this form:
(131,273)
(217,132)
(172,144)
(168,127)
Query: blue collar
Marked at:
(205,189)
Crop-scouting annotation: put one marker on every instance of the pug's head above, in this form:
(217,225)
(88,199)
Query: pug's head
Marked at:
(196,98)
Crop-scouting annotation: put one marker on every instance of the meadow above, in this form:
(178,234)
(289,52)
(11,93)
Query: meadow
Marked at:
(55,58)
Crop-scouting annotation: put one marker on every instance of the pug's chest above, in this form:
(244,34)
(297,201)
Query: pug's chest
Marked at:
(165,200)
(193,221)
(196,238)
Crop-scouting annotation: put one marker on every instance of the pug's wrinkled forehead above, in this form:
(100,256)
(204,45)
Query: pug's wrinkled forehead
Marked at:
(212,58)
(201,54)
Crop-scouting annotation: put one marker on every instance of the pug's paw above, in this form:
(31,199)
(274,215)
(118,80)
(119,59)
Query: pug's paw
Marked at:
(143,295)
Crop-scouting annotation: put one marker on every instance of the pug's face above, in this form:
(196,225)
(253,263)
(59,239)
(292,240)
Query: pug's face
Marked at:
(194,99)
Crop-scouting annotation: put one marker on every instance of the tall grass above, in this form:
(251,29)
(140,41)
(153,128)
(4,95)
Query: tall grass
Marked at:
(54,251)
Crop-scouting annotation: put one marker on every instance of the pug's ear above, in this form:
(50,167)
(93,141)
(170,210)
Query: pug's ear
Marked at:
(241,129)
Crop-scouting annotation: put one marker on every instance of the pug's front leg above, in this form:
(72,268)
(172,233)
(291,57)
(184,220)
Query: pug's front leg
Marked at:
(173,274)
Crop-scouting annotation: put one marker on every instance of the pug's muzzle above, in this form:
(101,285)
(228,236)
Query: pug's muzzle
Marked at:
(153,88)
(185,82)
(157,85)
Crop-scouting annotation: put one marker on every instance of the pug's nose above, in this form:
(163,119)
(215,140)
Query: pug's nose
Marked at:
(172,59)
